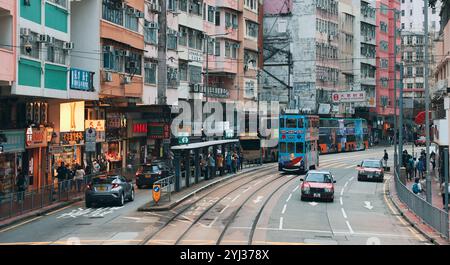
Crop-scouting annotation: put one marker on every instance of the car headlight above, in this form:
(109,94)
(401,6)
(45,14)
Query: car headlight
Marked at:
(327,190)
(305,189)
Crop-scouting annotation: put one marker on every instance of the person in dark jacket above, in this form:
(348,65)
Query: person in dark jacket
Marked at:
(21,184)
(62,176)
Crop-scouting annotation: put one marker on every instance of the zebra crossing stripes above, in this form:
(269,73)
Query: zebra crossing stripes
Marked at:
(337,165)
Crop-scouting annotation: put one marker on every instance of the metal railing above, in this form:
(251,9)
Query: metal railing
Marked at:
(166,187)
(431,215)
(18,203)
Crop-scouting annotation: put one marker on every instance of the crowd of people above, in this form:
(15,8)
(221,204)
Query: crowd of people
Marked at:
(221,164)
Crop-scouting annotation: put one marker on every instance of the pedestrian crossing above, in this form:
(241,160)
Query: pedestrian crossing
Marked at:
(343,165)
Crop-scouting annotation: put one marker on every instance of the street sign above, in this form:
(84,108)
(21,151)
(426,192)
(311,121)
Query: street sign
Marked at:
(91,135)
(349,96)
(156,192)
(90,146)
(183,140)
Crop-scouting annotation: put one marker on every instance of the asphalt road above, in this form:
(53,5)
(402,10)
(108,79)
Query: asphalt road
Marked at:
(261,207)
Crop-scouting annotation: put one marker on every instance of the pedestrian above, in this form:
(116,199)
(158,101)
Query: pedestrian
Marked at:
(416,165)
(220,163)
(241,160)
(416,187)
(21,184)
(420,167)
(409,168)
(96,167)
(433,159)
(79,177)
(229,161)
(234,162)
(211,165)
(62,176)
(385,158)
(443,193)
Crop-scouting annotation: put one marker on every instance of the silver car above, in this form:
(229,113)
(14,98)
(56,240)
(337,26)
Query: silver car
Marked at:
(109,189)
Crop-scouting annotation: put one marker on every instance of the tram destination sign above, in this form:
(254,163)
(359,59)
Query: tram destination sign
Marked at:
(349,96)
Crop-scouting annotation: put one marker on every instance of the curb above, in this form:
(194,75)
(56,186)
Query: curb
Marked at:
(411,222)
(50,209)
(175,203)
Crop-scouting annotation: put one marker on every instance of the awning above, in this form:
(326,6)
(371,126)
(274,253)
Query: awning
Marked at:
(203,144)
(420,118)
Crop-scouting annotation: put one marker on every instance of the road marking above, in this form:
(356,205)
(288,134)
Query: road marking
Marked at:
(340,200)
(244,191)
(215,219)
(331,164)
(223,210)
(368,205)
(281,223)
(342,192)
(284,209)
(290,195)
(259,181)
(17,225)
(352,178)
(350,166)
(343,213)
(313,203)
(235,198)
(346,184)
(258,199)
(349,227)
(296,188)
(341,165)
(59,210)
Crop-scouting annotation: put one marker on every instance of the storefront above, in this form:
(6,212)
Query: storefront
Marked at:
(116,131)
(100,138)
(12,148)
(158,132)
(137,142)
(36,145)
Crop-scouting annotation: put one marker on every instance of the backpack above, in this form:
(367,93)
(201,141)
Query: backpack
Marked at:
(415,188)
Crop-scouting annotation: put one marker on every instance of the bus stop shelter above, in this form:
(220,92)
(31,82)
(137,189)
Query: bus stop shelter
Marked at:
(183,155)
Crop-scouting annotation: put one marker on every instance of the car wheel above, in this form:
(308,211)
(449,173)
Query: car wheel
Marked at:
(88,204)
(131,195)
(121,201)
(332,200)
(302,198)
(359,179)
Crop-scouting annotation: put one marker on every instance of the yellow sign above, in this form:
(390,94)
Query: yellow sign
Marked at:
(156,191)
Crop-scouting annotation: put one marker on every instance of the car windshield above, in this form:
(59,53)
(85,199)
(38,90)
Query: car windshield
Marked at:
(104,180)
(319,177)
(371,164)
(152,168)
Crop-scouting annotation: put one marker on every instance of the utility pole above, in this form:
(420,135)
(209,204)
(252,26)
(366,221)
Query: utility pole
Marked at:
(207,68)
(162,54)
(427,103)
(400,134)
(395,96)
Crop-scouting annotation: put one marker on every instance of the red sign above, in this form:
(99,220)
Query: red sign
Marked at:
(140,128)
(36,138)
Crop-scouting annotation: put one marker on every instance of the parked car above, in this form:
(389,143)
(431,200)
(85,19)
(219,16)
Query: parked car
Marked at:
(371,169)
(109,189)
(421,141)
(148,174)
(317,185)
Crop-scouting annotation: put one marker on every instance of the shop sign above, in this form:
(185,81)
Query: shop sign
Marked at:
(158,130)
(81,80)
(138,128)
(36,137)
(116,120)
(212,92)
(14,141)
(99,126)
(71,117)
(70,138)
(349,96)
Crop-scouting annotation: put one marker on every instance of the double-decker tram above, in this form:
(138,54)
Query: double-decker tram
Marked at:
(297,148)
(342,135)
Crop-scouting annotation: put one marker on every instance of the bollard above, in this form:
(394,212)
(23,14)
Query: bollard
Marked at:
(403,175)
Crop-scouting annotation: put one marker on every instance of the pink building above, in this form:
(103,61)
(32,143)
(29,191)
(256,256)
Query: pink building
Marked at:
(386,74)
(7,42)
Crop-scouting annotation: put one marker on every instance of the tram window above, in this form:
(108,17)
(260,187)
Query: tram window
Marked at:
(351,138)
(282,147)
(291,147)
(300,123)
(299,148)
(291,123)
(282,123)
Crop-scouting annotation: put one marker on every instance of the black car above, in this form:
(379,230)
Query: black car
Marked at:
(109,189)
(148,174)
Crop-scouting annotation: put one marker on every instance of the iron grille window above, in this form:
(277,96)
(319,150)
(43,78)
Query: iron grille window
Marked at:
(112,12)
(56,53)
(150,73)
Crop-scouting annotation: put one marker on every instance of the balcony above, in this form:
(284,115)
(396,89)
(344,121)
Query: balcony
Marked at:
(8,65)
(120,34)
(115,86)
(231,4)
(441,87)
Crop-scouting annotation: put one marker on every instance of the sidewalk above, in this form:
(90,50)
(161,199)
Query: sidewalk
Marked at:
(178,197)
(415,221)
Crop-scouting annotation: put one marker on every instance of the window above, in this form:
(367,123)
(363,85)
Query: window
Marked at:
(409,71)
(182,40)
(228,23)
(291,123)
(131,21)
(133,64)
(250,59)
(113,59)
(291,148)
(172,76)
(384,45)
(56,53)
(419,71)
(172,41)
(182,5)
(150,73)
(251,4)
(195,7)
(217,48)
(299,148)
(171,5)
(195,74)
(250,89)
(403,13)
(217,18)
(282,147)
(211,14)
(210,43)
(195,39)
(384,82)
(62,3)
(112,12)
(384,63)
(409,85)
(227,49)
(384,26)
(419,85)
(234,21)
(151,35)
(183,71)
(252,29)
(231,50)
(35,45)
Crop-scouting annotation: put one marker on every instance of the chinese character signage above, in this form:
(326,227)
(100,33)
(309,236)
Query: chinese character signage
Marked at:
(70,138)
(350,96)
(213,92)
(195,56)
(99,126)
(81,80)
(158,131)
(36,137)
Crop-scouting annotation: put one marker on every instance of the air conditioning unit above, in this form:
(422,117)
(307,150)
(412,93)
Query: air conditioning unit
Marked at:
(139,14)
(108,48)
(68,45)
(154,7)
(126,80)
(121,5)
(25,32)
(126,53)
(131,65)
(131,10)
(108,77)
(153,25)
(44,38)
